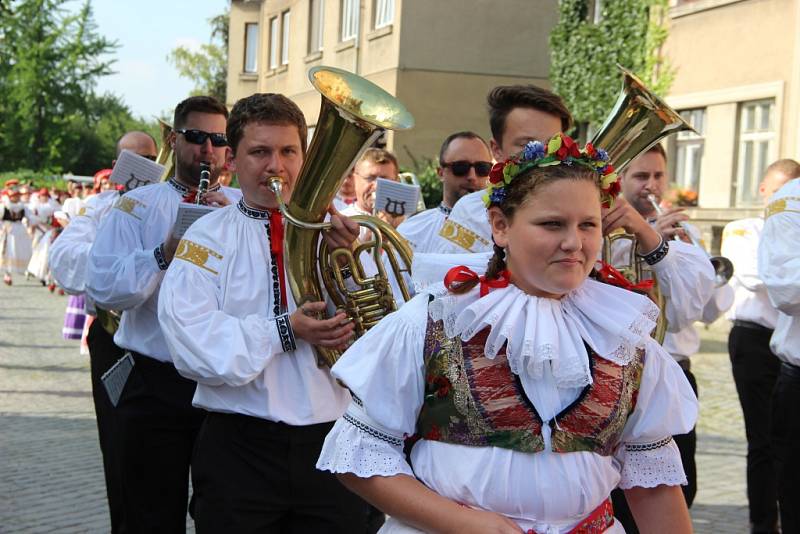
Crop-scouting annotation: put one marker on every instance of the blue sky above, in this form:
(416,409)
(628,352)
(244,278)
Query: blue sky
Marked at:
(146,31)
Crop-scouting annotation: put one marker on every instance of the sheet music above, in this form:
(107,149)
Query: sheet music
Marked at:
(114,379)
(188,214)
(132,171)
(395,198)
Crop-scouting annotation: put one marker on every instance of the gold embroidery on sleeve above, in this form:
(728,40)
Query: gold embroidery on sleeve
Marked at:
(197,254)
(128,205)
(463,237)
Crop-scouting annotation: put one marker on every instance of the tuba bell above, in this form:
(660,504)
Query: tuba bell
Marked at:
(638,120)
(353,114)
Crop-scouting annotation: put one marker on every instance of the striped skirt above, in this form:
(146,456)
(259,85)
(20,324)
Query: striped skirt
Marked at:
(75,317)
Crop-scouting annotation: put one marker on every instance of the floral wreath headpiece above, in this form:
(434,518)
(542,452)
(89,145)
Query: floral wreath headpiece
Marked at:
(561,149)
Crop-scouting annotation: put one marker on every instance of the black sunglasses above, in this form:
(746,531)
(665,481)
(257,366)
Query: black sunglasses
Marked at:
(461,168)
(198,137)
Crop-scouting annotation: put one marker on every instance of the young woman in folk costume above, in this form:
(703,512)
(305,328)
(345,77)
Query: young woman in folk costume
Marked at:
(526,395)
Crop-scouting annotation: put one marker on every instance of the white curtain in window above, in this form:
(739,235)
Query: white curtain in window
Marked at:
(349,27)
(251,48)
(273,43)
(384,13)
(316,25)
(285,38)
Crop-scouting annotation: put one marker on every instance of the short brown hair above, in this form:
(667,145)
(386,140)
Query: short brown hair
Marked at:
(658,149)
(379,156)
(786,166)
(503,99)
(460,135)
(269,108)
(200,104)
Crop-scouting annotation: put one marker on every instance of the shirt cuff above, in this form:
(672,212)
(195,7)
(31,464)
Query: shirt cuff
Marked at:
(648,465)
(657,254)
(285,333)
(161,260)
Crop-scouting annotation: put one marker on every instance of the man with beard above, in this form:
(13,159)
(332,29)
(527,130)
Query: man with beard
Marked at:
(464,165)
(155,423)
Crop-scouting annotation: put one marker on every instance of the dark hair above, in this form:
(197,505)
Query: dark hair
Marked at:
(269,108)
(517,192)
(460,135)
(503,99)
(786,166)
(658,149)
(379,156)
(199,104)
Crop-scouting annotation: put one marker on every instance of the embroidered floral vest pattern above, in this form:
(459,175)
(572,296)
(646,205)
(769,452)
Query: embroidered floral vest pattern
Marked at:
(473,400)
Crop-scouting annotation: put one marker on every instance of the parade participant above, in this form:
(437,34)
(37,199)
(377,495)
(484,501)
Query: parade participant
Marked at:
(15,243)
(69,258)
(464,165)
(528,432)
(346,194)
(517,114)
(249,347)
(155,424)
(43,226)
(374,163)
(754,366)
(779,268)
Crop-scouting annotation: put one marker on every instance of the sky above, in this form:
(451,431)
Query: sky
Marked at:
(146,31)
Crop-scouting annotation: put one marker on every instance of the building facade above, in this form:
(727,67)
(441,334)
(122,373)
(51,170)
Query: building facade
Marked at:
(737,80)
(440,58)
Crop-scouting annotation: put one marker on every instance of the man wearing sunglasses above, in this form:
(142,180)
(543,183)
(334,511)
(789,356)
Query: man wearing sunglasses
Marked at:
(155,424)
(464,165)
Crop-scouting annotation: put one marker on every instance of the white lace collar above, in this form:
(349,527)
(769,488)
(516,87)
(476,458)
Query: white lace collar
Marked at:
(614,322)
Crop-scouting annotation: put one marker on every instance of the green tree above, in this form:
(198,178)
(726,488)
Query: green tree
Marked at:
(584,54)
(50,61)
(209,66)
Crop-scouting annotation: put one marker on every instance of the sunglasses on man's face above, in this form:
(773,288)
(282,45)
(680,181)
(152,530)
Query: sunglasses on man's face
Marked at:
(198,137)
(461,168)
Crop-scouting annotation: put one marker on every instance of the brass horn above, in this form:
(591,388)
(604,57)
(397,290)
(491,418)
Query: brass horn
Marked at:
(166,156)
(638,120)
(353,113)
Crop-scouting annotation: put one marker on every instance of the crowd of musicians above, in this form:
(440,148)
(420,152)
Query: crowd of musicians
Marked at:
(518,389)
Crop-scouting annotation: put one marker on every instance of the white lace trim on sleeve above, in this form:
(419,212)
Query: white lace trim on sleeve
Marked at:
(357,445)
(648,465)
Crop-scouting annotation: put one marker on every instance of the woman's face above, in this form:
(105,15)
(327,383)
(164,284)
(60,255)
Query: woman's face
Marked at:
(554,237)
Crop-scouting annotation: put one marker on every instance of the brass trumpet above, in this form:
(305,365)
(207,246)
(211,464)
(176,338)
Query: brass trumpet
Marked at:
(723,267)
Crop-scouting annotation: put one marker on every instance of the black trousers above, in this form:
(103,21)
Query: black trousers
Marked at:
(687,445)
(755,370)
(156,428)
(785,435)
(251,475)
(103,353)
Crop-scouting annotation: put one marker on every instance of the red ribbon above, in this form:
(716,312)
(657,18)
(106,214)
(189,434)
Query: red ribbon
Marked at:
(276,247)
(458,276)
(610,275)
(190,197)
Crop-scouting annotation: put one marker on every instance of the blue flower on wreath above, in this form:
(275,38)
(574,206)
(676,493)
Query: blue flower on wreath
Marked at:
(498,195)
(602,155)
(533,150)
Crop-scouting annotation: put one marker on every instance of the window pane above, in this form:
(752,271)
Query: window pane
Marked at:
(349,24)
(315,28)
(285,39)
(273,43)
(766,117)
(251,48)
(747,172)
(749,120)
(696,157)
(384,13)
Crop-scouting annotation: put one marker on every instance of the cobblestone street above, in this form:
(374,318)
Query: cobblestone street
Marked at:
(50,468)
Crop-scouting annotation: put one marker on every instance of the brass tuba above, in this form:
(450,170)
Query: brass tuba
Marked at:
(638,120)
(353,114)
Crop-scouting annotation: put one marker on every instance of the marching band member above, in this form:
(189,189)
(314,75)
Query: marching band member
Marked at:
(529,432)
(15,243)
(755,367)
(232,326)
(69,258)
(154,421)
(779,267)
(464,165)
(517,114)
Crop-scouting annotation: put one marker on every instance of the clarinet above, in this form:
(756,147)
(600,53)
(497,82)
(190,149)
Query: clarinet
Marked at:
(205,180)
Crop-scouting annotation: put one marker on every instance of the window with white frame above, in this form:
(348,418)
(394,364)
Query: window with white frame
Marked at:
(274,43)
(285,37)
(250,47)
(384,13)
(315,16)
(756,148)
(349,22)
(689,151)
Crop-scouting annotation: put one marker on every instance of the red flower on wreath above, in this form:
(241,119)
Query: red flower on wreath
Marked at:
(591,150)
(568,148)
(614,189)
(496,174)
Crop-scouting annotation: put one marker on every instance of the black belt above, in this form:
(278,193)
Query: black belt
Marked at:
(790,370)
(750,324)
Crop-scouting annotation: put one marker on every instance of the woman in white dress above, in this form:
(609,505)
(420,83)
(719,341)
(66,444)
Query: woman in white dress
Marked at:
(524,396)
(15,243)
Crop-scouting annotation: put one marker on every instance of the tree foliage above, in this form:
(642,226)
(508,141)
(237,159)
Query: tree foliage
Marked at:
(49,64)
(208,67)
(584,54)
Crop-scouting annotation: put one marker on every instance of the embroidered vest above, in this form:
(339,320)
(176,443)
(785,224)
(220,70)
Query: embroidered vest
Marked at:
(473,400)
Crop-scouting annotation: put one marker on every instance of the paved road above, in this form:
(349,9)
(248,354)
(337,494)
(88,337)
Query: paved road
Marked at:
(50,468)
